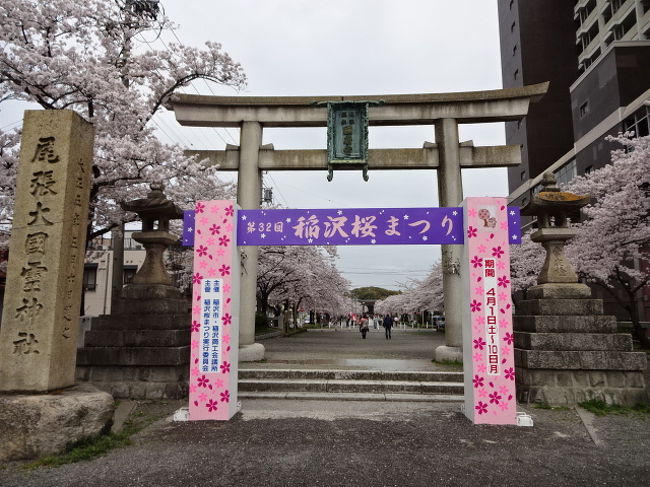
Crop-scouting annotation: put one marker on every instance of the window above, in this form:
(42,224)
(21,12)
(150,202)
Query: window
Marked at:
(584,109)
(611,9)
(638,122)
(625,25)
(516,75)
(607,14)
(130,244)
(512,2)
(514,50)
(645,5)
(512,27)
(591,59)
(523,175)
(616,4)
(590,35)
(129,273)
(588,169)
(90,277)
(586,10)
(566,173)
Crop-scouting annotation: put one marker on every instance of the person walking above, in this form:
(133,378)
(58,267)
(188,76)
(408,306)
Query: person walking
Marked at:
(388,324)
(363,326)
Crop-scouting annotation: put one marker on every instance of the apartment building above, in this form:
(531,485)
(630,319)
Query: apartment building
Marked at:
(596,55)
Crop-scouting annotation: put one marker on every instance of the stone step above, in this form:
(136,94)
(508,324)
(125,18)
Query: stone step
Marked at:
(560,307)
(145,306)
(564,324)
(349,386)
(155,320)
(574,341)
(580,360)
(333,374)
(137,338)
(133,355)
(337,396)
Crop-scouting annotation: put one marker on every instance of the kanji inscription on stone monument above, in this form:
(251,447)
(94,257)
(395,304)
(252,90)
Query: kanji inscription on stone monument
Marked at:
(41,309)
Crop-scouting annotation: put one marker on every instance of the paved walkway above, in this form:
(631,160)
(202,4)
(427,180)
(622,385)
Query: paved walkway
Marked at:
(344,348)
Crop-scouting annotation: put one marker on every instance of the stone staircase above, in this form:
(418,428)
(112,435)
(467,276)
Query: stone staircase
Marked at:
(352,385)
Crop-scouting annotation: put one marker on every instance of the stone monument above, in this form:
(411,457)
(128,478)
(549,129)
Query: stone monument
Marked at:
(566,350)
(141,350)
(40,323)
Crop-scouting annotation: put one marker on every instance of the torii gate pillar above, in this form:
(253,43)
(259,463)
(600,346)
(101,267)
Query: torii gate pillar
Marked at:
(450,191)
(249,188)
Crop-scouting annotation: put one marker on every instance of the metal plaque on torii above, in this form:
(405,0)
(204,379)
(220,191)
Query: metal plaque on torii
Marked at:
(347,137)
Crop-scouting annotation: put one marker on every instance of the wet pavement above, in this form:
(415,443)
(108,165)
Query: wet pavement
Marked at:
(344,348)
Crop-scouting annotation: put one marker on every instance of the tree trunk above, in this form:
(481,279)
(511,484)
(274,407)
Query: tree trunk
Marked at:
(639,332)
(629,306)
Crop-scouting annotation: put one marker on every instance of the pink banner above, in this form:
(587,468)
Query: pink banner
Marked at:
(488,354)
(215,312)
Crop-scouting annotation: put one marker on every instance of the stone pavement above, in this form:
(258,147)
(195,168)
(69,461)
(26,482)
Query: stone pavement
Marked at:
(350,443)
(344,348)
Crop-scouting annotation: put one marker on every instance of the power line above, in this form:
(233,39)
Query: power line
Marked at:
(189,142)
(10,124)
(275,185)
(162,129)
(177,135)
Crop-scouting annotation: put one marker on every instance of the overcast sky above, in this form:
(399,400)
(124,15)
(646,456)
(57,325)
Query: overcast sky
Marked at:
(352,47)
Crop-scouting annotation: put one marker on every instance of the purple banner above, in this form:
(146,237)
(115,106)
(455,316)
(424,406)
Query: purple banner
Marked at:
(514,225)
(188,228)
(352,226)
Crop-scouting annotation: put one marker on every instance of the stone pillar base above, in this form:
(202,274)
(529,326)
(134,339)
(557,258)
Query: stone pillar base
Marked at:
(34,425)
(138,381)
(567,387)
(251,353)
(142,350)
(449,354)
(568,352)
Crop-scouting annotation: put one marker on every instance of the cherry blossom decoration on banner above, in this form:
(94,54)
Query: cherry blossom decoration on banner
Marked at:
(488,354)
(215,312)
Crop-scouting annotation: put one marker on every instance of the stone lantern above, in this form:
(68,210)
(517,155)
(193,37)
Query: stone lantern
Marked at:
(555,210)
(566,349)
(155,211)
(141,350)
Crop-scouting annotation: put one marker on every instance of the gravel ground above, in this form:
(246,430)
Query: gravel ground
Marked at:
(364,444)
(332,443)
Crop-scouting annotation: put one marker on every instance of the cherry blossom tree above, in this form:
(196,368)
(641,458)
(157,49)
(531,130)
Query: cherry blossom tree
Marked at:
(526,260)
(421,295)
(304,276)
(612,247)
(88,56)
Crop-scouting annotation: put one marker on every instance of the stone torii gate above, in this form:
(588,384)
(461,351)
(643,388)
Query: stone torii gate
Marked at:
(443,110)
